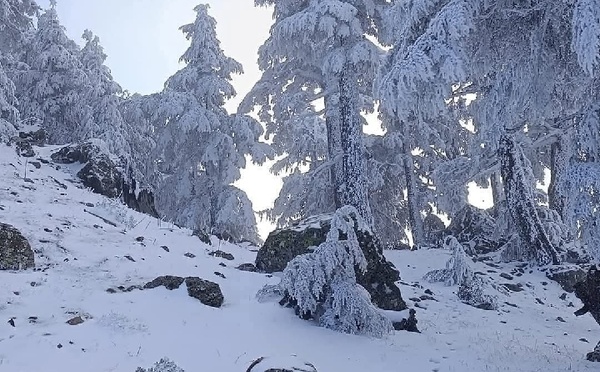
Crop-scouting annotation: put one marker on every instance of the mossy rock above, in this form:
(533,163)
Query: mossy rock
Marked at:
(15,251)
(379,279)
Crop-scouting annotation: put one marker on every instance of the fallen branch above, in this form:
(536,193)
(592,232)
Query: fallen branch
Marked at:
(102,218)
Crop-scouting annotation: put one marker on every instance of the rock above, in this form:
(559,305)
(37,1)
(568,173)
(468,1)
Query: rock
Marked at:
(567,276)
(281,364)
(36,138)
(379,280)
(207,292)
(221,275)
(594,356)
(15,251)
(102,176)
(473,228)
(139,239)
(204,237)
(409,324)
(247,267)
(24,149)
(75,321)
(36,164)
(506,276)
(189,255)
(139,200)
(168,281)
(81,153)
(165,248)
(221,254)
(11,321)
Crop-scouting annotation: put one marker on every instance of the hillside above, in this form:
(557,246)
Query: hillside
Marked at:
(79,256)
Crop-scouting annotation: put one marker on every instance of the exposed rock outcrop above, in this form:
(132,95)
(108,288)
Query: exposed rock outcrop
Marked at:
(15,251)
(379,280)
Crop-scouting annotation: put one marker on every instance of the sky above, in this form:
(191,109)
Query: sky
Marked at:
(143,43)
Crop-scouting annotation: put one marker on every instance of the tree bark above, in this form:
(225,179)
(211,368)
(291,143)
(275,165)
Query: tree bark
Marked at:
(519,197)
(558,165)
(353,185)
(414,210)
(497,194)
(334,141)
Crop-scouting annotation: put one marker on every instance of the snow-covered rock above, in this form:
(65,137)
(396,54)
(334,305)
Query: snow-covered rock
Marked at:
(15,251)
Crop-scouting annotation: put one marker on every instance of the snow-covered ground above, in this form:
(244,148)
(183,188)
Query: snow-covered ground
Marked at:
(78,257)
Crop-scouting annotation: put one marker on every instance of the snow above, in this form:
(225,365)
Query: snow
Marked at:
(82,256)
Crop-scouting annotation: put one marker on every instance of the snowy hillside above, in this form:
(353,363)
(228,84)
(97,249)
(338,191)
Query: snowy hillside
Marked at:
(79,256)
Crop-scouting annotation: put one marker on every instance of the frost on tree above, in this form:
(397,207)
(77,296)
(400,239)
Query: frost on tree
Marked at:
(317,65)
(518,187)
(50,90)
(586,34)
(163,365)
(458,272)
(322,285)
(103,119)
(8,112)
(200,147)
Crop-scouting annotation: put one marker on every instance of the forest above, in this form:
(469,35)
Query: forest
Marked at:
(503,95)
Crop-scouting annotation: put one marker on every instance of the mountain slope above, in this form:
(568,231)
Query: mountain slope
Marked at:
(79,256)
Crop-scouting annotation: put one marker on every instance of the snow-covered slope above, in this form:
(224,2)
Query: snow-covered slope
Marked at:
(79,256)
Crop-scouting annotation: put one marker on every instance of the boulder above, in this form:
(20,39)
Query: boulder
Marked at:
(170,282)
(221,254)
(379,280)
(81,153)
(15,251)
(588,291)
(141,201)
(25,141)
(567,276)
(281,364)
(207,292)
(247,267)
(474,228)
(102,176)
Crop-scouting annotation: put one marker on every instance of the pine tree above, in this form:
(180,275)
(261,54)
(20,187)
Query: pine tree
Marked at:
(200,146)
(50,90)
(317,56)
(103,120)
(8,112)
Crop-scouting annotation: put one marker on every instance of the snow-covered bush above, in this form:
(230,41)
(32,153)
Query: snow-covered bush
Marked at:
(163,365)
(322,284)
(114,210)
(457,269)
(459,272)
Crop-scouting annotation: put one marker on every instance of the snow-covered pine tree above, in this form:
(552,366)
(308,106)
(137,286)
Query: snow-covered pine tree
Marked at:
(458,271)
(201,147)
(8,112)
(50,91)
(518,180)
(318,56)
(15,23)
(103,97)
(16,20)
(322,284)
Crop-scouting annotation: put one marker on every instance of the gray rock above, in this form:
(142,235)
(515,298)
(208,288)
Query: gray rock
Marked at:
(207,292)
(379,280)
(566,276)
(247,267)
(81,153)
(15,251)
(168,281)
(204,237)
(102,176)
(221,254)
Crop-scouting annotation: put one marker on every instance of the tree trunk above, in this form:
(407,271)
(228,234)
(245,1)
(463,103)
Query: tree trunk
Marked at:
(558,165)
(497,194)
(414,210)
(521,204)
(334,141)
(353,186)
